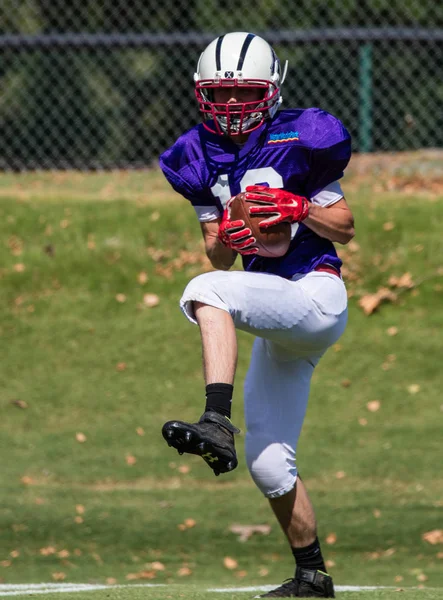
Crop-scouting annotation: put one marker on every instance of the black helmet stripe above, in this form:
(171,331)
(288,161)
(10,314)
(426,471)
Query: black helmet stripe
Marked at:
(218,52)
(243,51)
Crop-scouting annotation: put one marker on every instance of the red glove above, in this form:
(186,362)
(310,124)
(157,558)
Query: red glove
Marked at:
(235,235)
(276,204)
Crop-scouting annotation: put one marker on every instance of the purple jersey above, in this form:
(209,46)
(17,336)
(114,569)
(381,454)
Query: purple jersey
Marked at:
(300,150)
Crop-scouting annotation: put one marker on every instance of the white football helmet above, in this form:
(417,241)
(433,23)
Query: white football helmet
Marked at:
(240,60)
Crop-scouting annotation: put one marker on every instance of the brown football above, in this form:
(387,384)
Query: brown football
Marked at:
(272,242)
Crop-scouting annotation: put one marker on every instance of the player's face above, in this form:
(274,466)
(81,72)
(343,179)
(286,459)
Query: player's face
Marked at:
(234,95)
(238,95)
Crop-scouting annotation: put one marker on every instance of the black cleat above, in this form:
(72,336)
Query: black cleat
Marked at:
(307,583)
(212,438)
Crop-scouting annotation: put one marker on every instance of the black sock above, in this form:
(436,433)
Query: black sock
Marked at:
(219,398)
(310,557)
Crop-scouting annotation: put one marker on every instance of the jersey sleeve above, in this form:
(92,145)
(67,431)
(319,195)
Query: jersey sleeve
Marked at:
(187,174)
(330,154)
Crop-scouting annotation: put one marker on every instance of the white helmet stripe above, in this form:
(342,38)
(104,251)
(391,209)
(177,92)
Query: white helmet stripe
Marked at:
(244,49)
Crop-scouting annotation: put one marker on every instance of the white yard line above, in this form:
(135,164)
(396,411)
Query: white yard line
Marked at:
(17,589)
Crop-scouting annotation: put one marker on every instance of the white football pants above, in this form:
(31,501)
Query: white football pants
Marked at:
(294,322)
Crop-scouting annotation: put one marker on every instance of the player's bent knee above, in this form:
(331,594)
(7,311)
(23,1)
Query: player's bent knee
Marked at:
(203,289)
(272,465)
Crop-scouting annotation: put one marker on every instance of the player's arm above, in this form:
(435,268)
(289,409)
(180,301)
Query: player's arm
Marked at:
(221,256)
(334,222)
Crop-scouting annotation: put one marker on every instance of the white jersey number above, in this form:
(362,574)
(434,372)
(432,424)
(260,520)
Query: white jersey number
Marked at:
(269,175)
(264,175)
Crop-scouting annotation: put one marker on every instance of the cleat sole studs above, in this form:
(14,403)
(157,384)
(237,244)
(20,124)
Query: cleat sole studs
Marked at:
(188,436)
(169,433)
(201,447)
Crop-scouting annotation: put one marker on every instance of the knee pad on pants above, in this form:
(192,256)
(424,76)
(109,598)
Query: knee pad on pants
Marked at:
(205,288)
(271,464)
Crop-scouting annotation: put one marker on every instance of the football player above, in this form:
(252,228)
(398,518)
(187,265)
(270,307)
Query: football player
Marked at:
(295,306)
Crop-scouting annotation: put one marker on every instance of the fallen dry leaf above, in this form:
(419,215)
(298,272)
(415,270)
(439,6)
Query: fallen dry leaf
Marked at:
(120,298)
(157,566)
(340,475)
(230,563)
(413,388)
(263,571)
(111,581)
(370,302)
(80,437)
(5,563)
(20,403)
(140,431)
(373,406)
(190,523)
(78,520)
(422,577)
(187,524)
(241,574)
(142,277)
(398,578)
(388,226)
(121,366)
(353,246)
(47,551)
(58,576)
(376,513)
(329,564)
(392,331)
(404,281)
(150,300)
(14,553)
(63,554)
(184,469)
(363,422)
(331,539)
(130,460)
(79,509)
(184,572)
(433,537)
(91,242)
(19,268)
(346,383)
(439,555)
(246,531)
(141,575)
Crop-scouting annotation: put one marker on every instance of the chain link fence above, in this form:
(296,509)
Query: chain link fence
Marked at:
(101,84)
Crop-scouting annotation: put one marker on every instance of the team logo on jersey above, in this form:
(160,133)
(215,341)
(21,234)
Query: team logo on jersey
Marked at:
(229,74)
(287,136)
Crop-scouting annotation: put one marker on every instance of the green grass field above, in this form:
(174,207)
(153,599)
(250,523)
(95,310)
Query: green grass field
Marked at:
(90,370)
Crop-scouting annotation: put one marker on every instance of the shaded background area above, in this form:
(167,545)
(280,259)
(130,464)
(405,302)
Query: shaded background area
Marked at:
(110,85)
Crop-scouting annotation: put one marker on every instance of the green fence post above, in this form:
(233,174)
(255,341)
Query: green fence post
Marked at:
(365,98)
